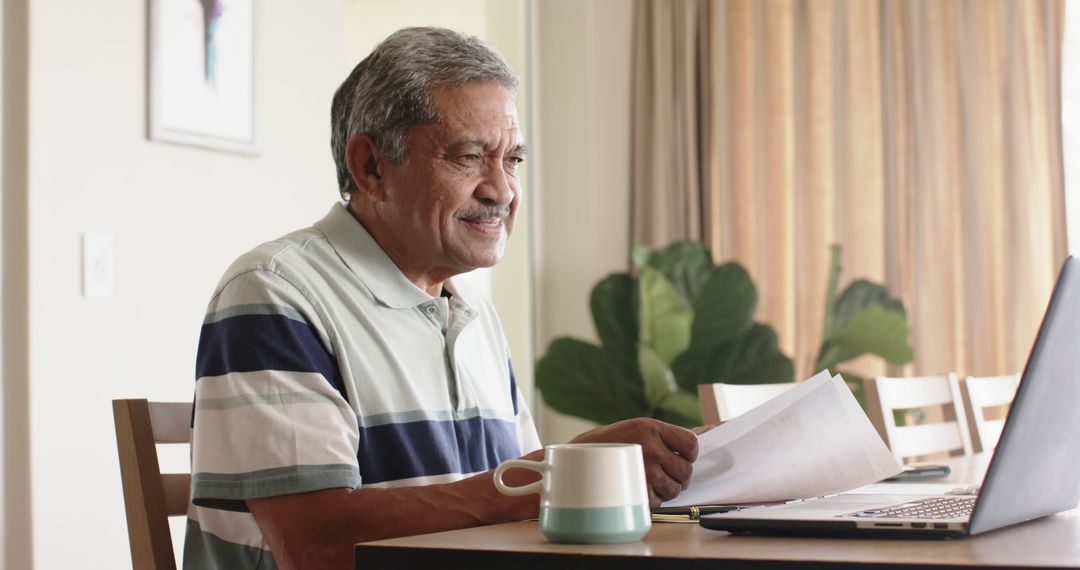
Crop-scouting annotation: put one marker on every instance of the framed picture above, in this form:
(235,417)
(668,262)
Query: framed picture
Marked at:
(202,72)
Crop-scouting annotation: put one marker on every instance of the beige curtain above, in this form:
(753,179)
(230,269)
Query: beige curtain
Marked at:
(921,135)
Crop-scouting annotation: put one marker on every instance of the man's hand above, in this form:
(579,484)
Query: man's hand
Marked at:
(669,452)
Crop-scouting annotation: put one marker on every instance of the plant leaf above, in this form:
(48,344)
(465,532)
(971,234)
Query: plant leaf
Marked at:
(577,379)
(680,408)
(830,290)
(857,297)
(753,358)
(613,303)
(663,316)
(860,295)
(724,309)
(857,385)
(686,264)
(876,329)
(658,379)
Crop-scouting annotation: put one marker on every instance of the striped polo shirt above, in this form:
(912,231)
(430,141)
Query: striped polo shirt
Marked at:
(320,365)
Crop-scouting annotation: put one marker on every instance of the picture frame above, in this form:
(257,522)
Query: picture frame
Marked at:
(201,74)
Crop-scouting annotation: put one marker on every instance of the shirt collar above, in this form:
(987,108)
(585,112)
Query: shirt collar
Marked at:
(367,260)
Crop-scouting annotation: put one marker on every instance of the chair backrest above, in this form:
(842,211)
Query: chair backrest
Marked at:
(151,497)
(981,392)
(721,402)
(885,395)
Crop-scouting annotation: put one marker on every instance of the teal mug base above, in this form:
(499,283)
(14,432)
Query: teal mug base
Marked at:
(595,526)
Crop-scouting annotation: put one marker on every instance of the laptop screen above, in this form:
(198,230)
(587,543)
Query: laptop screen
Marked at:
(1034,470)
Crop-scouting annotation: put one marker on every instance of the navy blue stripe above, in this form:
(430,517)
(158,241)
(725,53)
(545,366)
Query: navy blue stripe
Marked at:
(418,449)
(248,343)
(513,386)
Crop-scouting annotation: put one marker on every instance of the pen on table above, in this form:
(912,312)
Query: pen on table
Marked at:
(693,512)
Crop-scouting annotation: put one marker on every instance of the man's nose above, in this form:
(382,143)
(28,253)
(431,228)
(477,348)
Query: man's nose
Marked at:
(496,185)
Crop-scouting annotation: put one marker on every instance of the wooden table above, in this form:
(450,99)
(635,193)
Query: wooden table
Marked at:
(1051,542)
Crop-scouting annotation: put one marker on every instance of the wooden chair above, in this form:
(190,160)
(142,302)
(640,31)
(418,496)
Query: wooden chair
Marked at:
(884,396)
(981,392)
(151,497)
(721,402)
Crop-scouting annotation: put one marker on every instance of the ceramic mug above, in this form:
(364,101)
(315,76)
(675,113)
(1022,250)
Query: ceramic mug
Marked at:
(589,492)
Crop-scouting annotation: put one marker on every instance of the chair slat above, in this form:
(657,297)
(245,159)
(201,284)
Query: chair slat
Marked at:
(911,393)
(722,402)
(984,392)
(886,395)
(925,439)
(177,493)
(150,497)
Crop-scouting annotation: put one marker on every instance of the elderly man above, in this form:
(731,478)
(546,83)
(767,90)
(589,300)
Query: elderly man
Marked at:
(348,389)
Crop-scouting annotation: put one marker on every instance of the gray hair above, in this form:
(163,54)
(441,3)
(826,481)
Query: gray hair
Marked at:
(389,92)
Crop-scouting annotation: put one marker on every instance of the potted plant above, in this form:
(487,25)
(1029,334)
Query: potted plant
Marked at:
(679,320)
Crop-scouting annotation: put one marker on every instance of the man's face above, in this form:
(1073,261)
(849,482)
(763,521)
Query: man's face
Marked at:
(450,205)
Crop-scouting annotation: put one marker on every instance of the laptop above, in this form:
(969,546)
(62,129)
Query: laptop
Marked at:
(1033,473)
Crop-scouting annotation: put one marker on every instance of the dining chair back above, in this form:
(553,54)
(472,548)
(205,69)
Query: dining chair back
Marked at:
(151,497)
(981,393)
(885,395)
(721,402)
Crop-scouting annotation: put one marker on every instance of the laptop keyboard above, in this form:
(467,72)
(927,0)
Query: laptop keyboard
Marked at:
(932,508)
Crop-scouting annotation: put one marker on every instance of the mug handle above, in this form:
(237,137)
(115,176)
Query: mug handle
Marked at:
(535,487)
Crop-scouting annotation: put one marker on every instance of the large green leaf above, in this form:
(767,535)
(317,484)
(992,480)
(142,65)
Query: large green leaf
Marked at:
(878,330)
(753,358)
(613,303)
(663,315)
(860,295)
(680,408)
(724,309)
(686,264)
(658,379)
(577,379)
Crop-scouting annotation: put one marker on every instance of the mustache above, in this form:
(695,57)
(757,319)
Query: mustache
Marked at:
(484,212)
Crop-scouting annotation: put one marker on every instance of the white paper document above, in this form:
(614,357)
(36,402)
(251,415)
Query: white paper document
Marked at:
(810,441)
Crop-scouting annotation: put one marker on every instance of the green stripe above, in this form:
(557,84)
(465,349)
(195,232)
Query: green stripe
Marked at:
(253,309)
(275,399)
(430,416)
(205,551)
(273,482)
(594,526)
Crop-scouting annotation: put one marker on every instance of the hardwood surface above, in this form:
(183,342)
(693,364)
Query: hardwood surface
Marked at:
(1046,543)
(1051,542)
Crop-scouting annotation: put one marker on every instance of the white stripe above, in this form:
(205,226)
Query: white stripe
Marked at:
(420,481)
(261,382)
(256,437)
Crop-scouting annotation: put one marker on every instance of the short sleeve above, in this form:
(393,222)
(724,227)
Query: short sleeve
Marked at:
(271,414)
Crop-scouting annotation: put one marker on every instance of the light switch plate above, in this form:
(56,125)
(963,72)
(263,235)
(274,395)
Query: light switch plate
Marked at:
(97,265)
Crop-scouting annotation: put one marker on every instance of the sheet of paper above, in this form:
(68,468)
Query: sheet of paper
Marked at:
(810,441)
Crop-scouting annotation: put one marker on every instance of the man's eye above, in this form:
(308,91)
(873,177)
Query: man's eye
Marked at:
(471,158)
(515,160)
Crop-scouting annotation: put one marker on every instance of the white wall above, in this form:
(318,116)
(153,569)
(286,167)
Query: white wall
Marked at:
(178,216)
(583,226)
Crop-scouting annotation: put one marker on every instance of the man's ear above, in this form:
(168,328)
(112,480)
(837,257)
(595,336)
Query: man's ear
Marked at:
(366,163)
